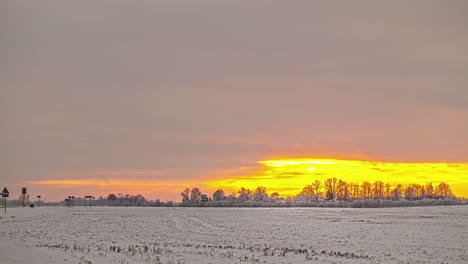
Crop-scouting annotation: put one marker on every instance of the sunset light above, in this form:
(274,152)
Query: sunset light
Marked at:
(288,176)
(234,131)
(151,188)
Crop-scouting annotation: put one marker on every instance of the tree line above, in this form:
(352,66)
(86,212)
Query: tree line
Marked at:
(318,193)
(120,200)
(331,192)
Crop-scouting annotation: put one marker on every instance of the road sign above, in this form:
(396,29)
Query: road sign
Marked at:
(23,192)
(5,192)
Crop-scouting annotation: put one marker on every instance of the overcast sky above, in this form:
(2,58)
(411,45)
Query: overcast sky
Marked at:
(175,90)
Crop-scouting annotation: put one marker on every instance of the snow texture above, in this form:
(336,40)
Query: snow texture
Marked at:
(234,235)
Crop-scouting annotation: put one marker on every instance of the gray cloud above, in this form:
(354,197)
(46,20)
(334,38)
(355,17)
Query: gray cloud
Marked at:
(107,85)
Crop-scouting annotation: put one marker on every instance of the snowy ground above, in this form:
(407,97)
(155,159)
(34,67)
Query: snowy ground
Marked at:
(234,235)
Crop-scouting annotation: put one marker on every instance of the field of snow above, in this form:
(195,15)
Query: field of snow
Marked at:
(234,235)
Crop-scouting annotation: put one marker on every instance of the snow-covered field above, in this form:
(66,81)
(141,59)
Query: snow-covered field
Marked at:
(234,235)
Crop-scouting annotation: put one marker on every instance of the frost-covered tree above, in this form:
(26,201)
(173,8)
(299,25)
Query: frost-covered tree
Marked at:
(185,195)
(244,195)
(218,195)
(260,194)
(111,198)
(24,198)
(195,195)
(139,200)
(397,192)
(335,189)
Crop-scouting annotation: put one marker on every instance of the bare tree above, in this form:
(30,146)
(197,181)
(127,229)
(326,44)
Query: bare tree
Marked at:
(366,190)
(418,191)
(185,195)
(409,192)
(354,190)
(429,190)
(317,188)
(388,190)
(443,191)
(307,193)
(342,191)
(378,189)
(330,188)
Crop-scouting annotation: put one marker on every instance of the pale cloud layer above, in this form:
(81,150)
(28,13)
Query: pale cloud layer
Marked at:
(188,87)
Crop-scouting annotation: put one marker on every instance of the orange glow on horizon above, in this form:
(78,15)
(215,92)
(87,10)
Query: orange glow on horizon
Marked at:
(151,189)
(289,176)
(118,182)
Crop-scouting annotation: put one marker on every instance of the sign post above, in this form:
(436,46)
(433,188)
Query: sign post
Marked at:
(5,194)
(23,192)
